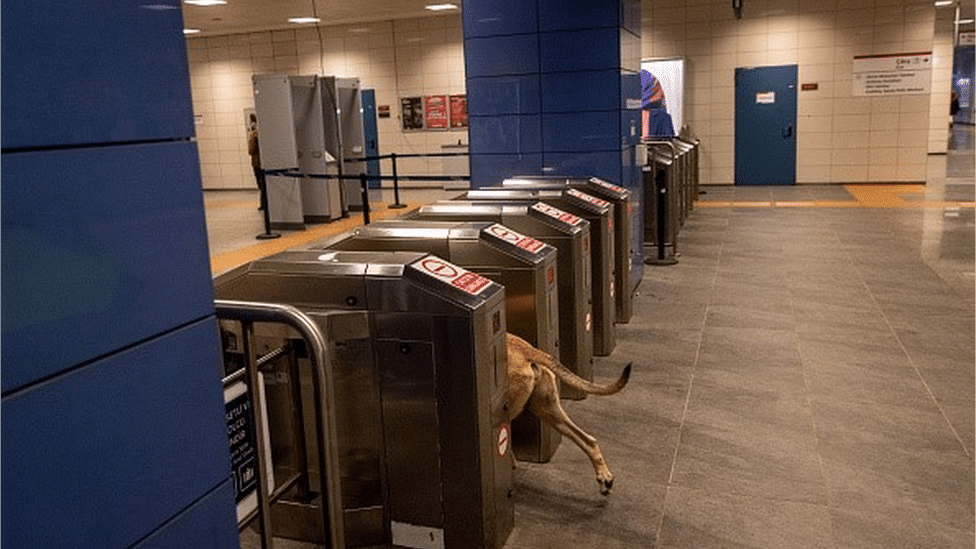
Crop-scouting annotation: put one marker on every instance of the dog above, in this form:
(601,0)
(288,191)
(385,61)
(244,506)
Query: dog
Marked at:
(532,384)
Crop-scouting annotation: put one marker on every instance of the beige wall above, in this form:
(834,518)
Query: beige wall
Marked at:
(841,138)
(396,58)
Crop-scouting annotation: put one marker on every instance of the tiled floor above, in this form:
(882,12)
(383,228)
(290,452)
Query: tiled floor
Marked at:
(804,378)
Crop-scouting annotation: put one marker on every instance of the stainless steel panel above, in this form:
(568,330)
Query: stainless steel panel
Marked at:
(524,266)
(570,236)
(626,254)
(599,213)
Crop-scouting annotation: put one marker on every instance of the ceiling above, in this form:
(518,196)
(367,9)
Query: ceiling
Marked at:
(238,16)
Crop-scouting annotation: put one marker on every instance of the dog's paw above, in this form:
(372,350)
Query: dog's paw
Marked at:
(606,484)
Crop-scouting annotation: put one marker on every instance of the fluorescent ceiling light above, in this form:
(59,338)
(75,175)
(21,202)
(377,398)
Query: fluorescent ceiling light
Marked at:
(304,20)
(966,21)
(191,31)
(441,7)
(944,3)
(206,2)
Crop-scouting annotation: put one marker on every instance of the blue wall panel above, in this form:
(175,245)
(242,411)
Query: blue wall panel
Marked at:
(581,131)
(109,451)
(581,91)
(505,134)
(489,170)
(99,71)
(501,55)
(499,17)
(488,96)
(578,14)
(209,523)
(577,50)
(102,247)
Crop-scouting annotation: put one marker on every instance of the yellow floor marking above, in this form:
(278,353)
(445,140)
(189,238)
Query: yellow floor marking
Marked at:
(865,196)
(290,239)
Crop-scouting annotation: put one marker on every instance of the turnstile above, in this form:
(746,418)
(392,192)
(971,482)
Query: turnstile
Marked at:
(627,255)
(417,347)
(570,235)
(599,213)
(524,265)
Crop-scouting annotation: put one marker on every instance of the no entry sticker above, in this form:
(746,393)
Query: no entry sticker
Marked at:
(458,277)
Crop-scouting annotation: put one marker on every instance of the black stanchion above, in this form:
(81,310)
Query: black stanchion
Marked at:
(267,234)
(396,185)
(364,185)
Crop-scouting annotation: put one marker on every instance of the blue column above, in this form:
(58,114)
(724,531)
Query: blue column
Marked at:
(554,88)
(113,426)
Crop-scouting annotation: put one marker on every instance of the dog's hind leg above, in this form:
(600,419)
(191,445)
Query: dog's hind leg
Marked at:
(545,404)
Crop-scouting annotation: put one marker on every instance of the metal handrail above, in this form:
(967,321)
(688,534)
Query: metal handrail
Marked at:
(249,313)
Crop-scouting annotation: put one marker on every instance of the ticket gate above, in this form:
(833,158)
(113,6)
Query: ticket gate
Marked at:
(526,267)
(417,348)
(599,213)
(570,235)
(626,254)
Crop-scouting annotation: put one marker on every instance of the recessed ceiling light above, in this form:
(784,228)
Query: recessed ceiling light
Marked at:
(304,20)
(441,7)
(191,31)
(206,2)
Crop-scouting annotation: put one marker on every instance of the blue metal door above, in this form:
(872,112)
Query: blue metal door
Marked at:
(765,125)
(371,137)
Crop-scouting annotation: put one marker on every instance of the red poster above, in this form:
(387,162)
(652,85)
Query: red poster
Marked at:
(435,112)
(459,111)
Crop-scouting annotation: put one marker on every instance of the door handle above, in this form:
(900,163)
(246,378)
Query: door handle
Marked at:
(789,132)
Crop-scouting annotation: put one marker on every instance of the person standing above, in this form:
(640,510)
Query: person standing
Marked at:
(254,149)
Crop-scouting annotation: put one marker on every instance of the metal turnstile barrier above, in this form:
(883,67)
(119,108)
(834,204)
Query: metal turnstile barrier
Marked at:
(251,457)
(671,186)
(600,214)
(416,350)
(625,253)
(570,235)
(526,267)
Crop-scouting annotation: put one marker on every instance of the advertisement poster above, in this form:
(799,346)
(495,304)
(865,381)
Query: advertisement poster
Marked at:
(435,112)
(459,111)
(670,73)
(412,113)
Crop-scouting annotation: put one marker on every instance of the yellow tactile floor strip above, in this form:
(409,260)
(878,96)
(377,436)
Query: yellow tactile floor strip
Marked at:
(290,239)
(865,196)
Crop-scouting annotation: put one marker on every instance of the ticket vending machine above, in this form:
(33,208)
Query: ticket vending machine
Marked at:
(570,235)
(629,261)
(526,267)
(417,347)
(599,213)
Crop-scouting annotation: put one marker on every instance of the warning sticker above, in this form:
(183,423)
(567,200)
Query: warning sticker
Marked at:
(556,213)
(588,197)
(503,441)
(525,242)
(458,277)
(607,185)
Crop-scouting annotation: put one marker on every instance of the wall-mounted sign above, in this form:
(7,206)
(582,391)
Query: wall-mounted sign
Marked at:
(383,111)
(435,112)
(809,86)
(412,113)
(892,74)
(459,111)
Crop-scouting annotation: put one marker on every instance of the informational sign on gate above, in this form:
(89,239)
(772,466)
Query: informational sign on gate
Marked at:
(519,240)
(892,74)
(588,197)
(458,277)
(556,213)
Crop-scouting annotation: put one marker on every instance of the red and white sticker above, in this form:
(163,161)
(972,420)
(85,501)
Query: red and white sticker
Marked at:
(503,440)
(588,197)
(458,277)
(589,322)
(607,185)
(512,237)
(556,213)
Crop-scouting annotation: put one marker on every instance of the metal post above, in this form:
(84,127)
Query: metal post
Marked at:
(267,234)
(363,185)
(254,381)
(396,184)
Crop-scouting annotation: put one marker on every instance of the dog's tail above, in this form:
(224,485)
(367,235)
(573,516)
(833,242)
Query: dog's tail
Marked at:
(572,380)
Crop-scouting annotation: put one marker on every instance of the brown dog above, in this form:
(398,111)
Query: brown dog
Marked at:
(532,383)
